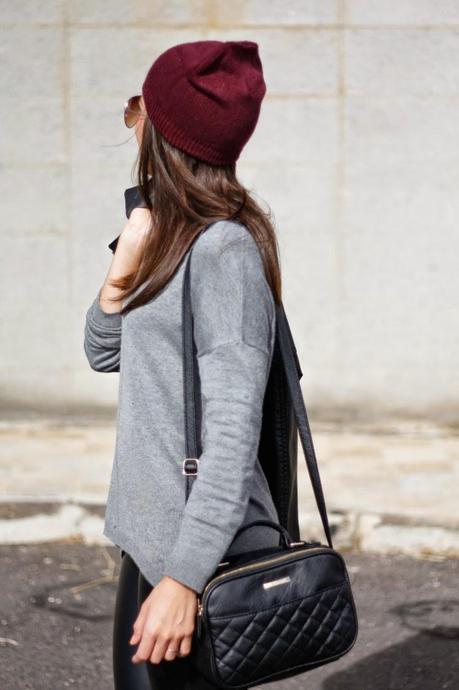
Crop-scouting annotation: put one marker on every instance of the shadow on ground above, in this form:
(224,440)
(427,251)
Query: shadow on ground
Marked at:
(427,660)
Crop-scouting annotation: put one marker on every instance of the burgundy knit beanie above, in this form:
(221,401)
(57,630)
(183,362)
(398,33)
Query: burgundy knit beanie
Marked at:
(204,97)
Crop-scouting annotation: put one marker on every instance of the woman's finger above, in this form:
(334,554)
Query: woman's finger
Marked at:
(185,645)
(147,643)
(138,625)
(187,632)
(160,648)
(169,655)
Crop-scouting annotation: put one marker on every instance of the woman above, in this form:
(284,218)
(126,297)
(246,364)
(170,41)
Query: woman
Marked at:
(199,105)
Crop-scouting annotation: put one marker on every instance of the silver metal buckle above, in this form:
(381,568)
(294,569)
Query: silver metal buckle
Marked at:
(194,462)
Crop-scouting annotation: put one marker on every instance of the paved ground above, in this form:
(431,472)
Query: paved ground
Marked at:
(391,493)
(57,606)
(389,488)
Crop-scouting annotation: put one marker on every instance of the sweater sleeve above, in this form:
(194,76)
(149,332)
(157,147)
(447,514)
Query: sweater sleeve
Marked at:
(102,338)
(234,313)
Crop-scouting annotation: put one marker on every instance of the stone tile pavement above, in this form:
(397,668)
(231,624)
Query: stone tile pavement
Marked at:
(389,488)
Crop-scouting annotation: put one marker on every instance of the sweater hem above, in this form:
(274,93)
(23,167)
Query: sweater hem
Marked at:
(142,560)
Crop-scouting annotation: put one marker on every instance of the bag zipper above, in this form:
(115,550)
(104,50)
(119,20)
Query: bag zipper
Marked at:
(277,559)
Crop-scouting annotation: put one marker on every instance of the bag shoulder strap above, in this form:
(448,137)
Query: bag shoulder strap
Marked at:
(293,374)
(288,358)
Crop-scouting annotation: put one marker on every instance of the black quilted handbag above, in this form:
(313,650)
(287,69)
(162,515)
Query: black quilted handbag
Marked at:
(275,612)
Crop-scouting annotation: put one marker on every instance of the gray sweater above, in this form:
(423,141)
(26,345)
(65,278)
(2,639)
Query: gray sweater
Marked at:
(234,329)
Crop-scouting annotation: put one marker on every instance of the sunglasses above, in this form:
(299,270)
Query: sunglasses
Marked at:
(132,111)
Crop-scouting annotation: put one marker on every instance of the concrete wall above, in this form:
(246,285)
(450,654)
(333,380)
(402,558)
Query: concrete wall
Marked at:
(356,152)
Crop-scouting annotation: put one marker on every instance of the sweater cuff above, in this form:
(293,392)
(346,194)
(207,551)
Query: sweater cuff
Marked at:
(106,319)
(183,565)
(186,572)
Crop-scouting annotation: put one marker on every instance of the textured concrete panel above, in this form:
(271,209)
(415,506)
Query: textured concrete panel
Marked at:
(402,62)
(34,199)
(32,60)
(355,151)
(108,62)
(308,67)
(32,12)
(33,78)
(402,12)
(36,316)
(299,131)
(302,202)
(35,138)
(139,12)
(401,248)
(258,12)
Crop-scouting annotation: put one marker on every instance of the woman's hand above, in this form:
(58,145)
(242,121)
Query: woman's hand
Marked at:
(126,257)
(138,224)
(165,621)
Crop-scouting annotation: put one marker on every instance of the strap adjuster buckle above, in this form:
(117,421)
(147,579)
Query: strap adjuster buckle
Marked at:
(190,466)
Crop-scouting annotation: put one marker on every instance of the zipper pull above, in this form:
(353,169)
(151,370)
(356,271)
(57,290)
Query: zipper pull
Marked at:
(199,620)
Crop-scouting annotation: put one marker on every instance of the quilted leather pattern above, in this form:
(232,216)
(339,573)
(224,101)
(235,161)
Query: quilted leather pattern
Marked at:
(248,648)
(275,617)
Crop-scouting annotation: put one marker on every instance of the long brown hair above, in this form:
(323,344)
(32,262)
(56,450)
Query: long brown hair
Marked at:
(183,195)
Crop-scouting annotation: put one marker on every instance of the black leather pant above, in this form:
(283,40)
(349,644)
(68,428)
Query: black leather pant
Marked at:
(177,674)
